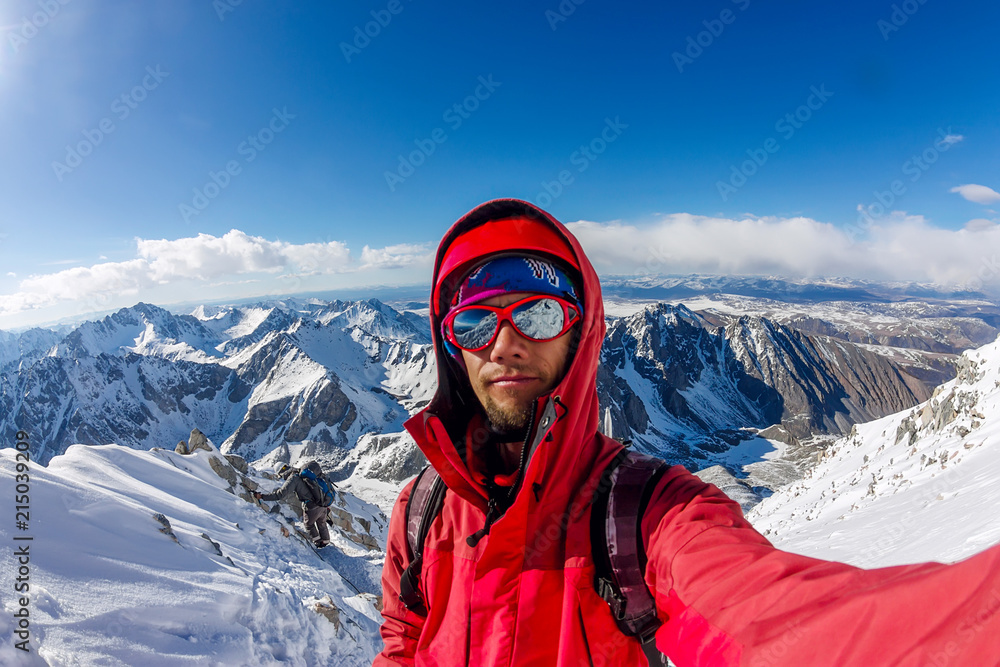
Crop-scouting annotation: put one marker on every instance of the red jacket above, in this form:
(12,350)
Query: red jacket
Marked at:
(524,595)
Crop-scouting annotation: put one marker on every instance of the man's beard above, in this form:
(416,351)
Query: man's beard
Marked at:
(506,421)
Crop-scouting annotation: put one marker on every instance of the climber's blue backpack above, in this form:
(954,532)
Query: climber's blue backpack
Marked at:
(321,490)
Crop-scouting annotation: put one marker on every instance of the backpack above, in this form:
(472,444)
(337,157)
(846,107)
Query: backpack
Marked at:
(616,542)
(317,484)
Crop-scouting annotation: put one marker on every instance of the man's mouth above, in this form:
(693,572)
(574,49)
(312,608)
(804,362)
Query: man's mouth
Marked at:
(512,381)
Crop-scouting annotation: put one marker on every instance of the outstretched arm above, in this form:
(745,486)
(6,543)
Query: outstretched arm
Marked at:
(401,628)
(280,493)
(728,597)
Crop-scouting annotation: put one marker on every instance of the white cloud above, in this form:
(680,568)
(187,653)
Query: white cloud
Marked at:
(980,225)
(78,284)
(203,258)
(979,194)
(898,247)
(952,139)
(397,256)
(206,257)
(895,247)
(329,257)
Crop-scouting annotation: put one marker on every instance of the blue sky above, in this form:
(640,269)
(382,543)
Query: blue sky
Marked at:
(803,139)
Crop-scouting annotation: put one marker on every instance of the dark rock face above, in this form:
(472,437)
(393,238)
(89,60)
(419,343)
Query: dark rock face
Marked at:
(826,385)
(390,458)
(681,387)
(123,399)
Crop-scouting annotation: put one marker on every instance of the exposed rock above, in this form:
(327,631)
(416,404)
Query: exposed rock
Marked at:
(215,545)
(926,415)
(225,471)
(344,521)
(907,430)
(238,462)
(945,412)
(368,542)
(326,608)
(197,440)
(779,433)
(182,448)
(165,526)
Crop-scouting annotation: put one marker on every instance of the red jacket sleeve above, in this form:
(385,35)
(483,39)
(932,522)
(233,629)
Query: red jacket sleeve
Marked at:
(401,628)
(728,597)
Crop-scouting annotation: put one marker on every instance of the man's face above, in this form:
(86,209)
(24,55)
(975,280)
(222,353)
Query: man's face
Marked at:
(512,372)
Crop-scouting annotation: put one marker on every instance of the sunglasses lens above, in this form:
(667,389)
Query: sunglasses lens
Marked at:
(540,320)
(474,327)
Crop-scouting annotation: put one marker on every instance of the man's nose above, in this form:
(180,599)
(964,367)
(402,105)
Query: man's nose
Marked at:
(508,344)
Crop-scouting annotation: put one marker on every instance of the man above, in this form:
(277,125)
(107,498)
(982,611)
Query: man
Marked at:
(313,512)
(508,570)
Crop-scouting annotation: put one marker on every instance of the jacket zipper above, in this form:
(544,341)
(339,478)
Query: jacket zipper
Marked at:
(492,514)
(492,509)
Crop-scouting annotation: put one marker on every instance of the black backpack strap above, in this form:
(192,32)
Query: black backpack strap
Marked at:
(616,536)
(422,507)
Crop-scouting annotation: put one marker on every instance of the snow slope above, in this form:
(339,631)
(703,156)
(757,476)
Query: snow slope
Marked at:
(923,484)
(146,558)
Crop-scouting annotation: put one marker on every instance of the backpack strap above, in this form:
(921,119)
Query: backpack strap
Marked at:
(423,505)
(616,536)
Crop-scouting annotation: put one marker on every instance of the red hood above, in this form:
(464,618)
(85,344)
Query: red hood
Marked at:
(567,456)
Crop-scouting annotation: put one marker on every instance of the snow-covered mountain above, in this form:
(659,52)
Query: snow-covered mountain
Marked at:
(920,327)
(295,378)
(315,374)
(803,290)
(26,346)
(158,558)
(918,485)
(679,387)
(144,330)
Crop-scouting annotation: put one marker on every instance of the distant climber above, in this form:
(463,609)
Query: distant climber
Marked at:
(308,488)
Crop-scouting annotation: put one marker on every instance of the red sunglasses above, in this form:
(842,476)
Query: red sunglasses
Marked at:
(539,318)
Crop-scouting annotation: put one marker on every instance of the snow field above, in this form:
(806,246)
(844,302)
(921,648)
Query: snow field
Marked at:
(920,485)
(211,582)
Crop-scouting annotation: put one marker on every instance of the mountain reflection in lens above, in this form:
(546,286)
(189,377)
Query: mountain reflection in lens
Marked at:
(540,319)
(474,327)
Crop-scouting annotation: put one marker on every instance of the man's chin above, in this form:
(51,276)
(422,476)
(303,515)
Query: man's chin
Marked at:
(508,419)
